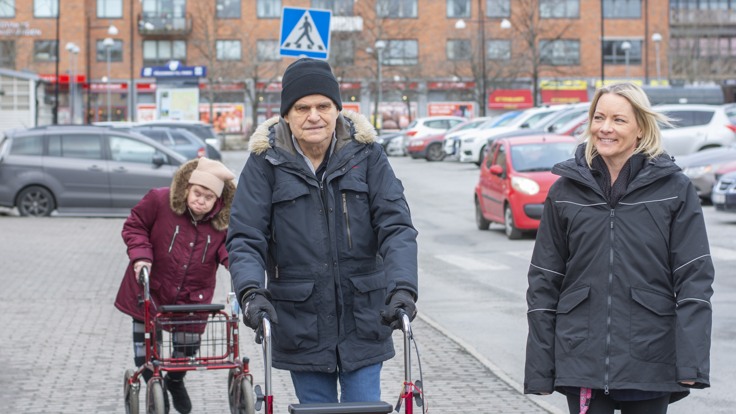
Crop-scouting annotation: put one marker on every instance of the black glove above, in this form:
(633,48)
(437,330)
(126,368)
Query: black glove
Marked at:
(256,304)
(400,300)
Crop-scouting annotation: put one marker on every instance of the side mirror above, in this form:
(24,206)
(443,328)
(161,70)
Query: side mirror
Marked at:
(524,125)
(496,169)
(158,160)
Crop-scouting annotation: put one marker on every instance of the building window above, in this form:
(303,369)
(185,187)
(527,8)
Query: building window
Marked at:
(228,49)
(109,9)
(613,54)
(268,9)
(622,9)
(337,7)
(498,49)
(458,8)
(45,8)
(396,9)
(498,8)
(401,52)
(458,49)
(157,52)
(44,50)
(559,9)
(116,51)
(228,9)
(342,52)
(7,54)
(268,50)
(703,4)
(560,52)
(7,8)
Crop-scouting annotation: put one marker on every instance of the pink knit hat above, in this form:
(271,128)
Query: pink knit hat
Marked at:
(211,174)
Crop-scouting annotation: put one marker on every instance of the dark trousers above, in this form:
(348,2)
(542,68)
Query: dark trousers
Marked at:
(603,404)
(184,344)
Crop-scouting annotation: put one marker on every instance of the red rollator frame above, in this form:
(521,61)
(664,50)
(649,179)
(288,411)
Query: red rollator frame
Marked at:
(409,390)
(181,338)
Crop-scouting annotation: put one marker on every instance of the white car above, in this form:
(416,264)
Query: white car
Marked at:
(473,146)
(698,127)
(431,125)
(451,142)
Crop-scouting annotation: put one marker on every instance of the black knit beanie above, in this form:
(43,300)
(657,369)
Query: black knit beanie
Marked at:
(306,77)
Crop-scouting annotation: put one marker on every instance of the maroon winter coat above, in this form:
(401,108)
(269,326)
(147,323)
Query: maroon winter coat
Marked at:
(185,254)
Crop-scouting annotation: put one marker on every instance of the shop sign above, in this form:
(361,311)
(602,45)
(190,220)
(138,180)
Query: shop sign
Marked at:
(450,85)
(174,70)
(510,99)
(349,85)
(104,87)
(553,96)
(63,78)
(351,106)
(145,87)
(568,84)
(463,109)
(268,87)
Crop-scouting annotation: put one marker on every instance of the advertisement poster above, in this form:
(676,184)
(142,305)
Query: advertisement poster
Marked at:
(226,117)
(394,115)
(463,109)
(178,104)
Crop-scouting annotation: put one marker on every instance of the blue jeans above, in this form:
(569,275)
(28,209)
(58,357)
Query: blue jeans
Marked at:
(362,385)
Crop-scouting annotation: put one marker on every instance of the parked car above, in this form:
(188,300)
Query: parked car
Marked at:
(203,130)
(81,170)
(515,178)
(432,125)
(386,138)
(451,142)
(430,147)
(697,127)
(473,146)
(180,140)
(724,193)
(563,122)
(701,167)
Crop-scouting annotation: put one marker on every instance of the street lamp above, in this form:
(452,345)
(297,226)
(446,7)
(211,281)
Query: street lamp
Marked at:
(108,43)
(626,47)
(379,46)
(657,39)
(73,50)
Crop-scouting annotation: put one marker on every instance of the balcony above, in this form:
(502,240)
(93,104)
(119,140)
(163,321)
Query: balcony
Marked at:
(164,24)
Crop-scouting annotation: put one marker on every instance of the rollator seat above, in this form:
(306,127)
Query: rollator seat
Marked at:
(191,308)
(380,407)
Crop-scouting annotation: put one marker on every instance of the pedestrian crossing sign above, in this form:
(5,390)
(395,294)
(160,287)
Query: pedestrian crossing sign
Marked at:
(305,33)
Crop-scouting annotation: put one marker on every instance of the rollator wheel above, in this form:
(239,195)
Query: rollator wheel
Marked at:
(130,393)
(240,394)
(155,397)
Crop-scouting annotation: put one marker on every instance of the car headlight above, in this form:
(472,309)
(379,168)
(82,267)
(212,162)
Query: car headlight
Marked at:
(524,185)
(697,172)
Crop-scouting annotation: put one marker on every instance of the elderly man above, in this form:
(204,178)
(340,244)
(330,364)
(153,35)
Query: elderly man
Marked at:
(321,241)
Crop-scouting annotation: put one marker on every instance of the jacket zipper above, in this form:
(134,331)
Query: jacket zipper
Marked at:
(206,246)
(608,306)
(347,219)
(176,232)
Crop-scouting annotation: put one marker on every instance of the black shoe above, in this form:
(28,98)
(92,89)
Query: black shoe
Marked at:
(179,395)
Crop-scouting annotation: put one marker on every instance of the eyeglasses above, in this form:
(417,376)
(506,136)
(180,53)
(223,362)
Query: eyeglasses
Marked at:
(304,110)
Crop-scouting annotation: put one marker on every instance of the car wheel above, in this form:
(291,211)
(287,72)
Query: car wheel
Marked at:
(435,152)
(35,201)
(480,221)
(481,155)
(508,223)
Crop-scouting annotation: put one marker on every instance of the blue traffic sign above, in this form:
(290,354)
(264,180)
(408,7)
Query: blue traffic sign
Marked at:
(305,32)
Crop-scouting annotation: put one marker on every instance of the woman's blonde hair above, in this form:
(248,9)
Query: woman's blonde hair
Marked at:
(647,119)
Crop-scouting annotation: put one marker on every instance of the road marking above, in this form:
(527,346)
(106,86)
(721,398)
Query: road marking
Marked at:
(468,263)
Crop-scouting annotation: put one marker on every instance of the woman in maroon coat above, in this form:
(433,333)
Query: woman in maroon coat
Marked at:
(178,233)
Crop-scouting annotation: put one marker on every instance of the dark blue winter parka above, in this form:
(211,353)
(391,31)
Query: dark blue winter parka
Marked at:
(330,250)
(619,298)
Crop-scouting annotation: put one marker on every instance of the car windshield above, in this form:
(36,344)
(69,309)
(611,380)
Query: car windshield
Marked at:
(540,157)
(501,120)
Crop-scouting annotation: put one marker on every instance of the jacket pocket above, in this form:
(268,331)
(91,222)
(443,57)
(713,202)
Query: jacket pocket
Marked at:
(652,326)
(295,306)
(573,319)
(355,209)
(368,300)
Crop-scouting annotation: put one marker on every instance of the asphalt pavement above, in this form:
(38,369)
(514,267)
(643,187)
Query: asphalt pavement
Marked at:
(64,347)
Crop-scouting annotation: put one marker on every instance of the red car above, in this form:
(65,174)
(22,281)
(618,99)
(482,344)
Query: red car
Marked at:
(515,177)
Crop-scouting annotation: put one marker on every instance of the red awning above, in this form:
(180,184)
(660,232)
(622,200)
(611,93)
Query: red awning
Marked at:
(510,99)
(564,96)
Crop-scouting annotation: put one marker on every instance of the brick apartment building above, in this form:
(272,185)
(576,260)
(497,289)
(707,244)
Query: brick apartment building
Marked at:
(536,51)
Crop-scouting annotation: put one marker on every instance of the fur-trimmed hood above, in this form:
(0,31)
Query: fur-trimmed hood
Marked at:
(220,214)
(275,132)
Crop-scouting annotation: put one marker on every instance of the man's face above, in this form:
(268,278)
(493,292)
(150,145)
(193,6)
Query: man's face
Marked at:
(312,120)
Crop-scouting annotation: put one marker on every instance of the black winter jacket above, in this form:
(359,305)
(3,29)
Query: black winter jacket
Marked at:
(332,250)
(619,298)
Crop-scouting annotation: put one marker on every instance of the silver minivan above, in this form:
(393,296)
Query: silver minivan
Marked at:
(81,170)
